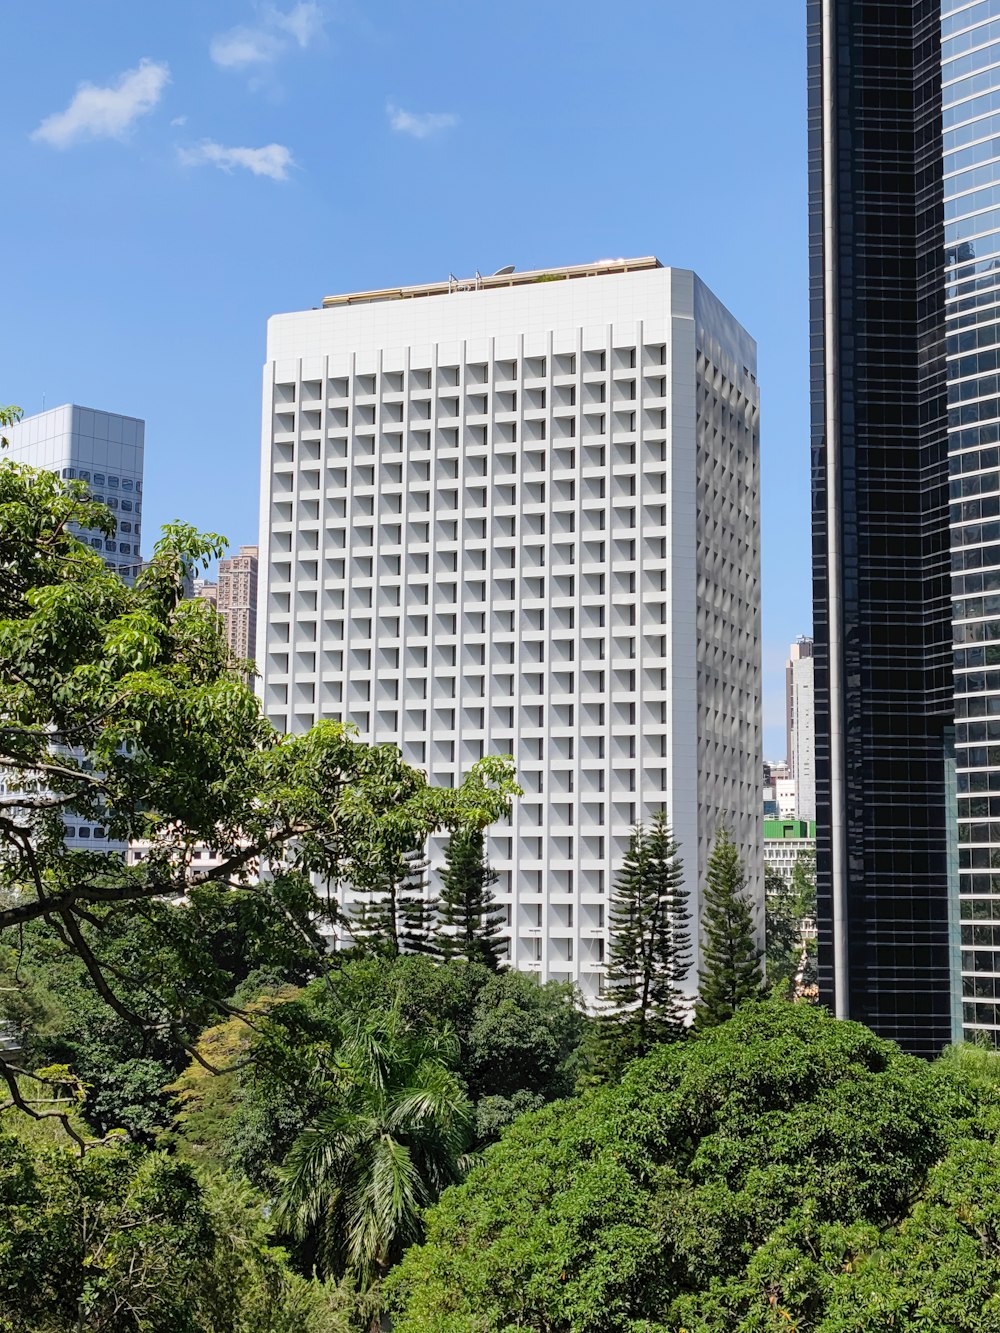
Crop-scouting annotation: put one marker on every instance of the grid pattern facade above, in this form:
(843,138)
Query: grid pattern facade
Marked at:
(970,66)
(103,449)
(878,367)
(526,522)
(236,601)
(782,854)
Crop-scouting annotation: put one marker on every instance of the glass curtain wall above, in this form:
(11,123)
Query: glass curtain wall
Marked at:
(970,66)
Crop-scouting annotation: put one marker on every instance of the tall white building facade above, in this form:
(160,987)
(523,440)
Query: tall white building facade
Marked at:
(520,516)
(801,726)
(105,450)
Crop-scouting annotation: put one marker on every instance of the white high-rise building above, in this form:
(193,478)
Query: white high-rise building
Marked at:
(105,450)
(520,515)
(801,726)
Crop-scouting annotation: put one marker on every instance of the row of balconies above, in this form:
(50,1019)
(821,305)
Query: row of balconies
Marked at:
(563,370)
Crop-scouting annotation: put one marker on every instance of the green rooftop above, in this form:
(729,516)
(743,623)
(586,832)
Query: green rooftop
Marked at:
(789,828)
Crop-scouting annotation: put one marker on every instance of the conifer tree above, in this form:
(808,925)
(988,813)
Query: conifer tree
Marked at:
(469,921)
(395,915)
(649,949)
(416,911)
(730,973)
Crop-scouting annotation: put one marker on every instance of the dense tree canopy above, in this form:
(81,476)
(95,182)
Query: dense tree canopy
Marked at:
(760,1177)
(125,1241)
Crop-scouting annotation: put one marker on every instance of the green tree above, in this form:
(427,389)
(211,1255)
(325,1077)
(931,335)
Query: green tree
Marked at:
(121,706)
(730,973)
(396,915)
(670,1200)
(125,1241)
(649,949)
(470,925)
(522,1048)
(782,931)
(519,1047)
(790,911)
(357,1180)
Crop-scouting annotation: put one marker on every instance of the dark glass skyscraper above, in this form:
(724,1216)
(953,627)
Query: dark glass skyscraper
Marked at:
(884,695)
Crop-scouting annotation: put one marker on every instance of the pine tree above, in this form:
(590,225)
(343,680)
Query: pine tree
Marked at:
(730,972)
(416,912)
(395,915)
(649,950)
(469,921)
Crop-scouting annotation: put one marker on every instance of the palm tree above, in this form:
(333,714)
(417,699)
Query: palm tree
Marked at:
(355,1182)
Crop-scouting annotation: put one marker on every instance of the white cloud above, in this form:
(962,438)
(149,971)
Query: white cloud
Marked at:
(241,47)
(304,22)
(420,124)
(264,42)
(178,120)
(272,160)
(106,113)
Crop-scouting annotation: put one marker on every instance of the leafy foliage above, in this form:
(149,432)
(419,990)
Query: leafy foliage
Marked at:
(789,951)
(697,1193)
(392,1140)
(519,1047)
(121,706)
(123,1241)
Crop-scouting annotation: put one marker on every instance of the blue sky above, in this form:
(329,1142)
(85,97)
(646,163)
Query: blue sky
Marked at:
(176,173)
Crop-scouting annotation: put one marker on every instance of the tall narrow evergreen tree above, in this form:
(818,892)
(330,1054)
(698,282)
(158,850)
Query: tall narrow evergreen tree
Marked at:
(730,973)
(395,915)
(469,921)
(649,949)
(416,910)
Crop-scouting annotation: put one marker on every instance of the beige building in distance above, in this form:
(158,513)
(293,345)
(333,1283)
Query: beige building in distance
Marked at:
(234,596)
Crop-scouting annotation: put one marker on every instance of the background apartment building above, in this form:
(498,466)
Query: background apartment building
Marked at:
(520,515)
(234,596)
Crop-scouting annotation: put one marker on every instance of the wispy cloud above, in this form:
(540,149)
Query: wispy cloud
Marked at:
(179,120)
(303,22)
(241,48)
(420,124)
(273,160)
(249,46)
(106,113)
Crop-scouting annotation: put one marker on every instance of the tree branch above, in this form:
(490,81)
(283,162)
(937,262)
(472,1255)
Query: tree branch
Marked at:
(9,1073)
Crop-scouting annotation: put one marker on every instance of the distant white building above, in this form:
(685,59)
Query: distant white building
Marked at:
(785,840)
(520,514)
(105,450)
(801,726)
